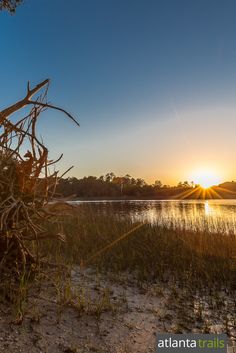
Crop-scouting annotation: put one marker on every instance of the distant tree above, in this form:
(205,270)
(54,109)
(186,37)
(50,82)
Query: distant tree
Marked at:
(9,5)
(127,179)
(109,177)
(140,182)
(184,184)
(133,181)
(158,184)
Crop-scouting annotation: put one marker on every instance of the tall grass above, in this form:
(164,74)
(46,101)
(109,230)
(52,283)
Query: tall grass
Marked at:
(202,259)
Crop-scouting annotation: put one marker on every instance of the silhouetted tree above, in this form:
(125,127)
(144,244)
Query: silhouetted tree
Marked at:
(109,177)
(158,184)
(127,186)
(140,182)
(184,184)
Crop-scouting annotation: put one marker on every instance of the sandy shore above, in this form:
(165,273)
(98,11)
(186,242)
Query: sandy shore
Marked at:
(90,312)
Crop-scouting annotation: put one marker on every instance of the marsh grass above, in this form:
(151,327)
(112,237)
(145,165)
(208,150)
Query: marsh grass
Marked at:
(194,273)
(194,258)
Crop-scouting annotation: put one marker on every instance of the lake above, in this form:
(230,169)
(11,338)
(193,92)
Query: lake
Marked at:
(197,215)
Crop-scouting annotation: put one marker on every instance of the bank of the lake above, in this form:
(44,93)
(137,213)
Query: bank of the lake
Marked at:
(121,279)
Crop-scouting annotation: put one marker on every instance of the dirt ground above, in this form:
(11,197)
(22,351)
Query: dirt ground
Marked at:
(91,312)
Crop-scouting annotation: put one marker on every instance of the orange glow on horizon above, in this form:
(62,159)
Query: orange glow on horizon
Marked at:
(206,178)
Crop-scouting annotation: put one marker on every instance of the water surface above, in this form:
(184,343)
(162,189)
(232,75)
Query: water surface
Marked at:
(197,215)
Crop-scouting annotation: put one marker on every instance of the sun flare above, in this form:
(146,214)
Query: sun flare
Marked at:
(206,178)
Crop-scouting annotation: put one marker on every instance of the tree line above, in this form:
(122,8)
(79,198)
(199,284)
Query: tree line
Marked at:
(110,185)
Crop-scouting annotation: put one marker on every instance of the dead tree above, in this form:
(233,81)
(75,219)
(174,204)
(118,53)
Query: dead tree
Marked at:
(26,181)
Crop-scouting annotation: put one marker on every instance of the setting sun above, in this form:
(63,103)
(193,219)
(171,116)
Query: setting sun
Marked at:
(206,178)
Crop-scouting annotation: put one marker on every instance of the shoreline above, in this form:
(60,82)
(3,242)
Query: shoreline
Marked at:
(94,199)
(108,313)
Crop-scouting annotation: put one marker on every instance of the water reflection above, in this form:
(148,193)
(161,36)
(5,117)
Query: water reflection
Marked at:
(198,215)
(208,209)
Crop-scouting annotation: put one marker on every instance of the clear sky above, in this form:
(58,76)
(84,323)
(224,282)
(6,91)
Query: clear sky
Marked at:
(152,82)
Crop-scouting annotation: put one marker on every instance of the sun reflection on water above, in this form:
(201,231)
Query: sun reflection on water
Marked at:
(193,215)
(208,208)
(214,216)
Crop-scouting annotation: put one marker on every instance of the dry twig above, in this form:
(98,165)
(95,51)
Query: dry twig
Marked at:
(26,184)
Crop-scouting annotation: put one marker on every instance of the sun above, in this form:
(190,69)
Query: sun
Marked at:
(206,178)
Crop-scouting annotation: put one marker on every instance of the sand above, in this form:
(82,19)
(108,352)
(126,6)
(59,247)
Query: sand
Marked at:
(110,314)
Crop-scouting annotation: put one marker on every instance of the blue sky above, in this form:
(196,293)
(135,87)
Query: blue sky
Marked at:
(152,82)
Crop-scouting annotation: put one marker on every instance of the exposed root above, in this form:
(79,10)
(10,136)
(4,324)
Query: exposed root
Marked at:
(26,183)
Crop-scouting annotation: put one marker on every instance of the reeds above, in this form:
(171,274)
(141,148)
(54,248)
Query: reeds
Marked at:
(202,259)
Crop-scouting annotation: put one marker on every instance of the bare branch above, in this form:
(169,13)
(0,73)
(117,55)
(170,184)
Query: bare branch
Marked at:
(46,105)
(22,103)
(26,183)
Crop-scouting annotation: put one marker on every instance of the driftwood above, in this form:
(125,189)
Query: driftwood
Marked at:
(26,182)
